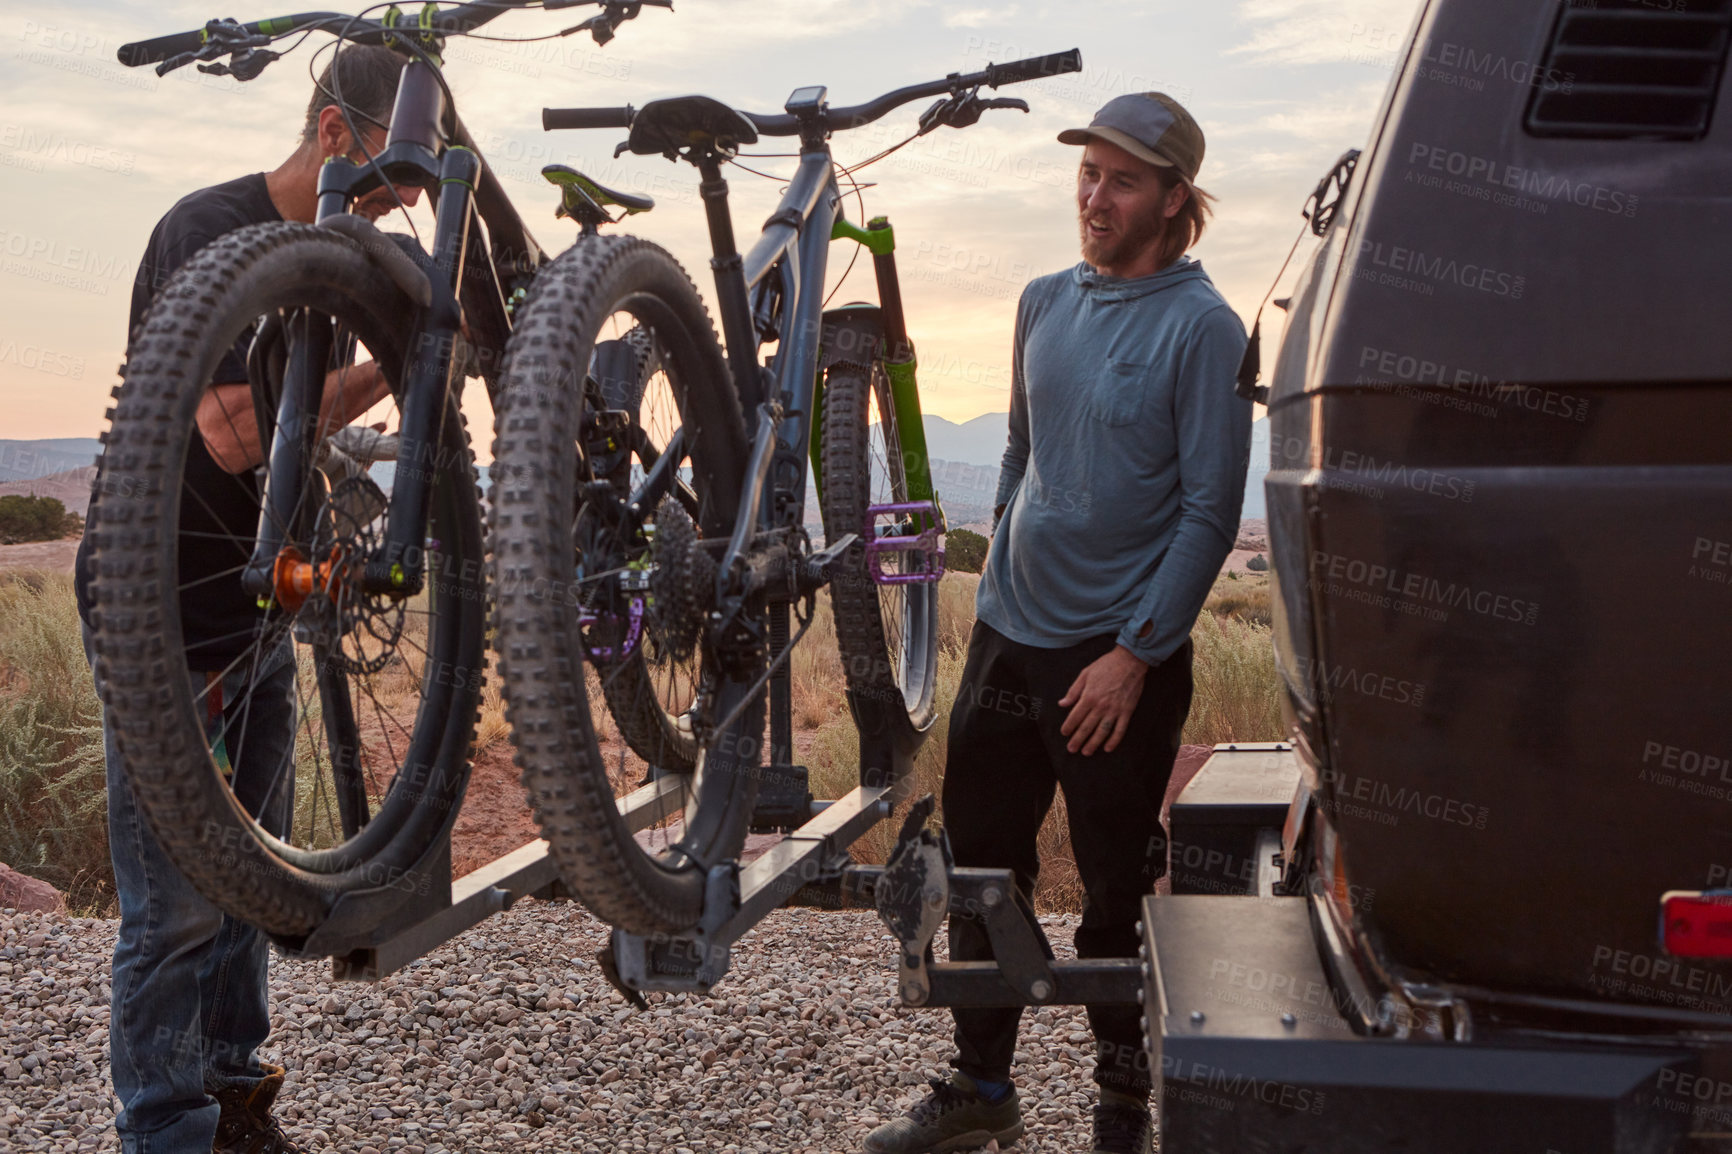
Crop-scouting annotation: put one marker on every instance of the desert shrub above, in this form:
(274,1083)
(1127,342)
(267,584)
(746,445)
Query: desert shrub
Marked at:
(36,519)
(1247,602)
(964,551)
(53,798)
(1258,564)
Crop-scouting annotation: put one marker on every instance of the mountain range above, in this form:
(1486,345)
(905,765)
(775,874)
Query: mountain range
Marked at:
(977,446)
(965,459)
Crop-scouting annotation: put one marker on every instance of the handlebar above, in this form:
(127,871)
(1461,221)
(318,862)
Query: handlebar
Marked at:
(447,22)
(552,118)
(993,75)
(1034,68)
(161,48)
(854,116)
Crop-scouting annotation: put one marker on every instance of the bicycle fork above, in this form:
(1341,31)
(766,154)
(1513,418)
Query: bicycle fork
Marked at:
(919,518)
(280,569)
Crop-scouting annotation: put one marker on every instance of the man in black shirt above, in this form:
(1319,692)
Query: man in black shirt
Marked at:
(189,1005)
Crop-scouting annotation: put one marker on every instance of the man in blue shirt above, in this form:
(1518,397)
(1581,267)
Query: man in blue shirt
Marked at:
(1118,503)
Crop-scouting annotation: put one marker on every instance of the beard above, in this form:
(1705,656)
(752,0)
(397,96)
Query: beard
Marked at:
(1120,248)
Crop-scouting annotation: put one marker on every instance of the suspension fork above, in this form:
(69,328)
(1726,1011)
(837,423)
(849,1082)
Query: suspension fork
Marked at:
(284,519)
(897,355)
(432,373)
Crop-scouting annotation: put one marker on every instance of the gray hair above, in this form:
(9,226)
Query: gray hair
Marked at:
(365,75)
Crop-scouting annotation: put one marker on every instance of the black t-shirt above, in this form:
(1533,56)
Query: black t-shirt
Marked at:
(219,511)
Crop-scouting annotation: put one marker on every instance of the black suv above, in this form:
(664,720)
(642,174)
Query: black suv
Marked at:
(1500,515)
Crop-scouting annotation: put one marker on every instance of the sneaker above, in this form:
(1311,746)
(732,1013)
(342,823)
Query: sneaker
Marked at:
(1122,1125)
(953,1117)
(245,1125)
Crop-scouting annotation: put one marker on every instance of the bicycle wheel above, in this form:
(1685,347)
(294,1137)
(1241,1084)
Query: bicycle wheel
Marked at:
(322,745)
(651,685)
(887,634)
(557,588)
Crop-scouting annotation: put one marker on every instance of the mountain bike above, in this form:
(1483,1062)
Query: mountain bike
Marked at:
(361,547)
(699,549)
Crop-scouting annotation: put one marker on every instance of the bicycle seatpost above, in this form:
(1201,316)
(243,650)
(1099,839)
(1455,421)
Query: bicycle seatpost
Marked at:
(731,298)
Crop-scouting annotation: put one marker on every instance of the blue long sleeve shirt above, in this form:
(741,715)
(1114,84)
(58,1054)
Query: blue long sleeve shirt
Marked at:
(1125,473)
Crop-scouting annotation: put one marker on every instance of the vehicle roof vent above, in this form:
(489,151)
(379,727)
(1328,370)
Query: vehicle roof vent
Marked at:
(1632,69)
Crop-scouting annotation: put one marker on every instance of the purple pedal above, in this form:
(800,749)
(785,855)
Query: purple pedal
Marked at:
(922,551)
(633,629)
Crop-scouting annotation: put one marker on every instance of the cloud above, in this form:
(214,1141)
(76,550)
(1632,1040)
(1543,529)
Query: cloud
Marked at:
(1323,31)
(976,17)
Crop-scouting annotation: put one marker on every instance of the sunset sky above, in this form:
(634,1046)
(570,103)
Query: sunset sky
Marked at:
(92,153)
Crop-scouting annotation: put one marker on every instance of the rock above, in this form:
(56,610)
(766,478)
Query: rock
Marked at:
(23,893)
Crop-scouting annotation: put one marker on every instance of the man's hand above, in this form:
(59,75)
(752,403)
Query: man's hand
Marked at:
(231,434)
(1101,701)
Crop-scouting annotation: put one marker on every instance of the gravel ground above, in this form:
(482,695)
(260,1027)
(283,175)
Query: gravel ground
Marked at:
(509,1038)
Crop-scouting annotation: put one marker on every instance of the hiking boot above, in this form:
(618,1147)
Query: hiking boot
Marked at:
(953,1117)
(1122,1124)
(245,1125)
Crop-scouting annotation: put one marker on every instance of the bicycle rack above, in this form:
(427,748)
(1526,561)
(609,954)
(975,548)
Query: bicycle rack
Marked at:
(373,933)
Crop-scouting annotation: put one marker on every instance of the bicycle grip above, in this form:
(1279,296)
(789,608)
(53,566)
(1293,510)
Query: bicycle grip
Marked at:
(1034,68)
(552,118)
(155,51)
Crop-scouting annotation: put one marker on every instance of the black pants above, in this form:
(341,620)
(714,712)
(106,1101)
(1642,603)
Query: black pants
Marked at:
(1006,756)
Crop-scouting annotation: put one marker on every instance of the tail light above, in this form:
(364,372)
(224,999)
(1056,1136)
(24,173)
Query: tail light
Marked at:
(1696,924)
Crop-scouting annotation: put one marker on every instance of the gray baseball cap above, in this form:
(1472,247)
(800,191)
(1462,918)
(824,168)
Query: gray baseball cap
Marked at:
(1151,126)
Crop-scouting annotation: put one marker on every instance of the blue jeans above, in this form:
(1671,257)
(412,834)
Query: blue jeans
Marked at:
(189,1006)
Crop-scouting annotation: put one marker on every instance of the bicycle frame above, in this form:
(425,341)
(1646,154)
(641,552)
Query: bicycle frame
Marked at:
(776,291)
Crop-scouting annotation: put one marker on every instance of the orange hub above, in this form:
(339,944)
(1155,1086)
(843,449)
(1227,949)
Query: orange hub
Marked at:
(294,578)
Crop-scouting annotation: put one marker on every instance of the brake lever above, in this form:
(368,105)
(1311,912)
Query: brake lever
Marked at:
(964,110)
(243,65)
(173,62)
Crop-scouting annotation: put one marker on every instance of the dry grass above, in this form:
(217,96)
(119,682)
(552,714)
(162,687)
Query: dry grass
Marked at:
(53,793)
(52,799)
(1245,597)
(1237,695)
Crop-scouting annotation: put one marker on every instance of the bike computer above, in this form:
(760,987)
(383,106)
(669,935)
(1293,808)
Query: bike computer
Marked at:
(805,101)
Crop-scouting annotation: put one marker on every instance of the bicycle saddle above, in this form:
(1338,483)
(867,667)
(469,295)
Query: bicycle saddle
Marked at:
(663,127)
(579,195)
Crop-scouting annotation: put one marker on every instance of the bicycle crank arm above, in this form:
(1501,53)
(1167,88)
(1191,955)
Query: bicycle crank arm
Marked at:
(820,565)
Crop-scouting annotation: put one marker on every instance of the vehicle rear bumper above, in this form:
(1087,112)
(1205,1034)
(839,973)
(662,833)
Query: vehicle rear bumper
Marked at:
(1251,1050)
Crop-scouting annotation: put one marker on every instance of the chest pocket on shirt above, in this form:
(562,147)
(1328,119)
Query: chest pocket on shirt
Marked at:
(1119,393)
